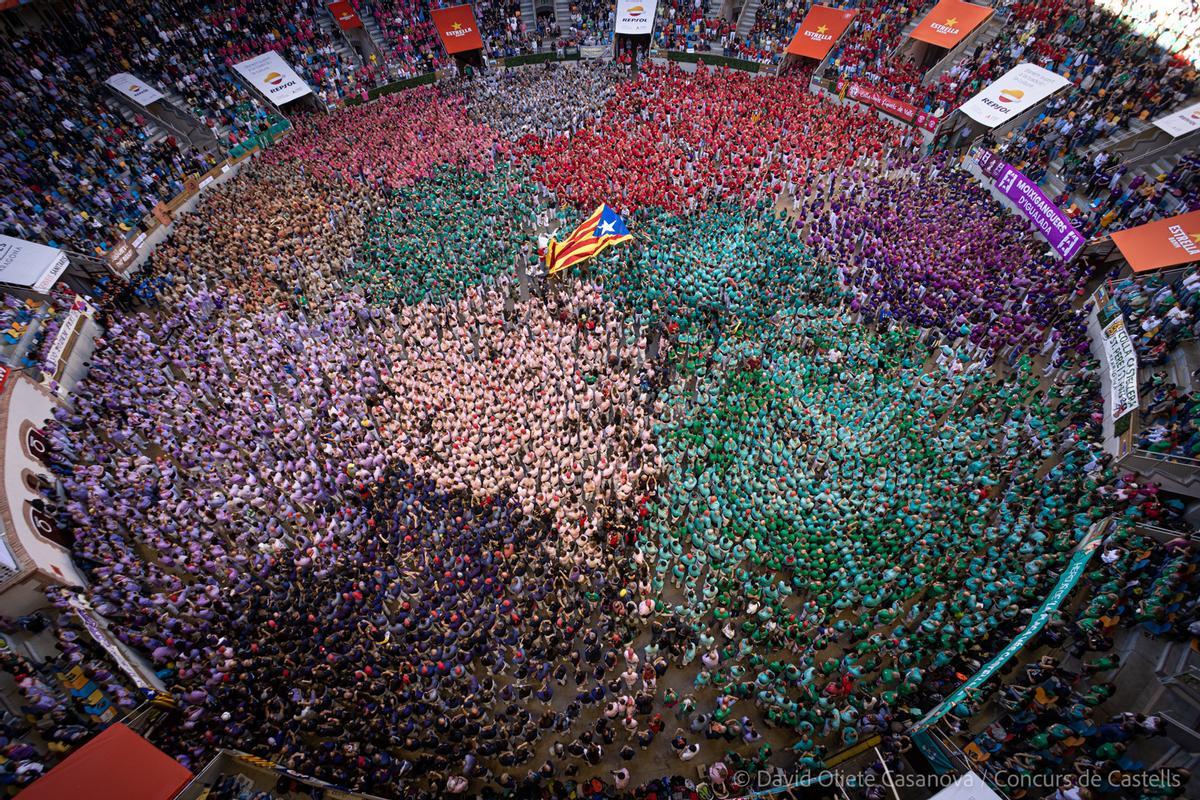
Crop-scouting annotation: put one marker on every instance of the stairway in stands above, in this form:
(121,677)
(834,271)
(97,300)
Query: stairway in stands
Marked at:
(329,27)
(562,14)
(376,33)
(746,19)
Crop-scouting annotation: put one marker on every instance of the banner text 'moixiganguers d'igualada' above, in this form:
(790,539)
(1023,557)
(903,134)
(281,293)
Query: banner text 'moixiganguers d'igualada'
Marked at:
(1045,215)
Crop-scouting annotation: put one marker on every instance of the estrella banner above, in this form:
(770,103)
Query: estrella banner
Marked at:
(1162,243)
(458,29)
(820,31)
(345,15)
(950,22)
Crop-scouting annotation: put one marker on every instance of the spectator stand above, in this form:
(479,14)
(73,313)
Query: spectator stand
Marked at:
(1159,438)
(140,97)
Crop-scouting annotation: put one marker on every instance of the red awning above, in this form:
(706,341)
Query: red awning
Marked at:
(950,22)
(1164,243)
(458,29)
(820,31)
(345,15)
(116,765)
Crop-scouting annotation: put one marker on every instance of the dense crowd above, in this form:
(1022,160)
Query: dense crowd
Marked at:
(381,501)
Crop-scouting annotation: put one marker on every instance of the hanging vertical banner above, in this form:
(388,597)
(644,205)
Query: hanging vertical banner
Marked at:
(1122,368)
(134,88)
(272,76)
(458,29)
(1048,218)
(636,16)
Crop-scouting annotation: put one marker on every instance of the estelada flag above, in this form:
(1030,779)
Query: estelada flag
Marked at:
(950,22)
(458,29)
(820,31)
(1165,243)
(595,234)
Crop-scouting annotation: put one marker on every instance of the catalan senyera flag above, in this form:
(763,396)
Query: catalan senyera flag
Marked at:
(595,234)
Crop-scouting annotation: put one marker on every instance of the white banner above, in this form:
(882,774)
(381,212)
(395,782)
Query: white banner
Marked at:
(135,89)
(272,76)
(99,632)
(1181,122)
(1122,368)
(1021,88)
(30,264)
(635,16)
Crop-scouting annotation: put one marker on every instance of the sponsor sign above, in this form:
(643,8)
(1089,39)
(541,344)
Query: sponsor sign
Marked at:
(134,88)
(1122,368)
(636,16)
(36,266)
(1164,243)
(950,22)
(1182,122)
(344,15)
(272,76)
(820,31)
(1048,218)
(458,29)
(1019,89)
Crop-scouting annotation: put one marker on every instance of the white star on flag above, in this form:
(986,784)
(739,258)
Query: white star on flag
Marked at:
(607,228)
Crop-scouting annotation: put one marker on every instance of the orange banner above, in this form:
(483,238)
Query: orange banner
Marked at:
(1165,243)
(346,16)
(820,31)
(458,29)
(950,22)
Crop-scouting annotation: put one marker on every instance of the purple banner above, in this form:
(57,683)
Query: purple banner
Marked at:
(1048,218)
(988,162)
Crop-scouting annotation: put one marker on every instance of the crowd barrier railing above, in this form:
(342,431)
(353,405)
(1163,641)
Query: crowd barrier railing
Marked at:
(122,255)
(712,60)
(568,54)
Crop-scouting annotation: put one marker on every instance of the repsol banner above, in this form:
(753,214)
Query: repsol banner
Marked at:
(635,16)
(272,76)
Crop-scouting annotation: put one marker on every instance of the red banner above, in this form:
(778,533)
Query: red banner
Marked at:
(950,22)
(899,109)
(345,15)
(820,31)
(458,29)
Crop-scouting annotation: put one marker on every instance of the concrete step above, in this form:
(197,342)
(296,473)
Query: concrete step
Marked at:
(746,18)
(329,26)
(562,14)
